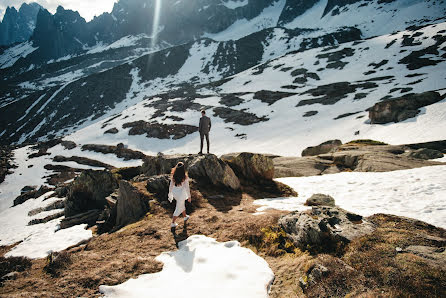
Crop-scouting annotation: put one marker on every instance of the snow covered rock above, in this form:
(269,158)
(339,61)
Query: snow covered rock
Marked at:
(252,166)
(320,200)
(324,228)
(202,267)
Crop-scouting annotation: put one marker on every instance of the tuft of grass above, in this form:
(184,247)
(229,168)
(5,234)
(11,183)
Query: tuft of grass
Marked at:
(366,142)
(56,262)
(13,264)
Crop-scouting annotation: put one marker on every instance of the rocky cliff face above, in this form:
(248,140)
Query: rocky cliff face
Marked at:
(17,26)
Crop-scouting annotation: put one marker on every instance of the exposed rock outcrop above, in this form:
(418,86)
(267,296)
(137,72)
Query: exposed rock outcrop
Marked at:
(426,154)
(119,150)
(89,217)
(324,228)
(160,131)
(325,147)
(6,165)
(251,166)
(131,204)
(402,108)
(159,185)
(82,161)
(351,157)
(88,192)
(201,167)
(31,194)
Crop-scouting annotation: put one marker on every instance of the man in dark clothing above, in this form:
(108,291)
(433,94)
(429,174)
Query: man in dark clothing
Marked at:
(204,128)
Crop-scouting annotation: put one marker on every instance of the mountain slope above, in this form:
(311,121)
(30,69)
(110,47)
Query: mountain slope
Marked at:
(300,99)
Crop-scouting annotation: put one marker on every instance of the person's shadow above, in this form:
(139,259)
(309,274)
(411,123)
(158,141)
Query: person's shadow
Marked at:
(181,236)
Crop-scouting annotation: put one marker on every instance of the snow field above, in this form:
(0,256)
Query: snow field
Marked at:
(40,239)
(416,193)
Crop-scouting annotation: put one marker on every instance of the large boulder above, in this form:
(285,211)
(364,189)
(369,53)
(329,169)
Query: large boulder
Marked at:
(302,166)
(325,147)
(401,108)
(206,168)
(252,166)
(159,185)
(89,191)
(215,170)
(324,228)
(426,154)
(320,200)
(131,204)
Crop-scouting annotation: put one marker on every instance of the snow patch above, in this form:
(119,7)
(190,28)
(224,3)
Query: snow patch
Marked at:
(240,28)
(11,55)
(201,267)
(235,4)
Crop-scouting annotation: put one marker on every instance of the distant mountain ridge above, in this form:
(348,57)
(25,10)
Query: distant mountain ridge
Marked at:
(18,26)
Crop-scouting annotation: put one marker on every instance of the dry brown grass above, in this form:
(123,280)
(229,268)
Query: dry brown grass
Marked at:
(114,258)
(399,273)
(370,266)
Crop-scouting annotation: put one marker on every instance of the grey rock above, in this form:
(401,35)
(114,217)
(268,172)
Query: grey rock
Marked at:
(325,147)
(320,200)
(426,154)
(89,191)
(131,204)
(31,194)
(159,185)
(207,168)
(402,108)
(88,218)
(314,274)
(113,130)
(252,166)
(68,144)
(324,228)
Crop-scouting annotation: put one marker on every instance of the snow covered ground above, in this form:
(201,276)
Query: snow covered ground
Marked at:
(416,193)
(372,19)
(288,131)
(40,239)
(201,267)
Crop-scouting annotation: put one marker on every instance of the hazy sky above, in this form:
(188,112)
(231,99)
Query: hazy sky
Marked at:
(87,8)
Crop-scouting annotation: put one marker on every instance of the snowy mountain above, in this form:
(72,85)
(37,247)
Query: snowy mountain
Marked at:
(53,86)
(18,26)
(92,113)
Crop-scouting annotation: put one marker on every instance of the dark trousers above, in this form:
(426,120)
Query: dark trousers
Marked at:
(202,135)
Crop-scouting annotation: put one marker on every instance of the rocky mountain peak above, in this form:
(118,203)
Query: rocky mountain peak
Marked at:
(17,26)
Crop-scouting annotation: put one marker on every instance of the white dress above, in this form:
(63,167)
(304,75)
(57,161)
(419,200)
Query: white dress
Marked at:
(180,193)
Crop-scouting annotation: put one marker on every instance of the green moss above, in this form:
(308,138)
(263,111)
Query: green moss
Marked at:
(366,142)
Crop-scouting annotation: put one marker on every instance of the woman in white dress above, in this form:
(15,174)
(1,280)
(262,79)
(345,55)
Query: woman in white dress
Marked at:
(179,190)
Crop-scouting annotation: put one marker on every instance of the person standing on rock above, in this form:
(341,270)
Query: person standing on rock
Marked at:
(204,129)
(180,191)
